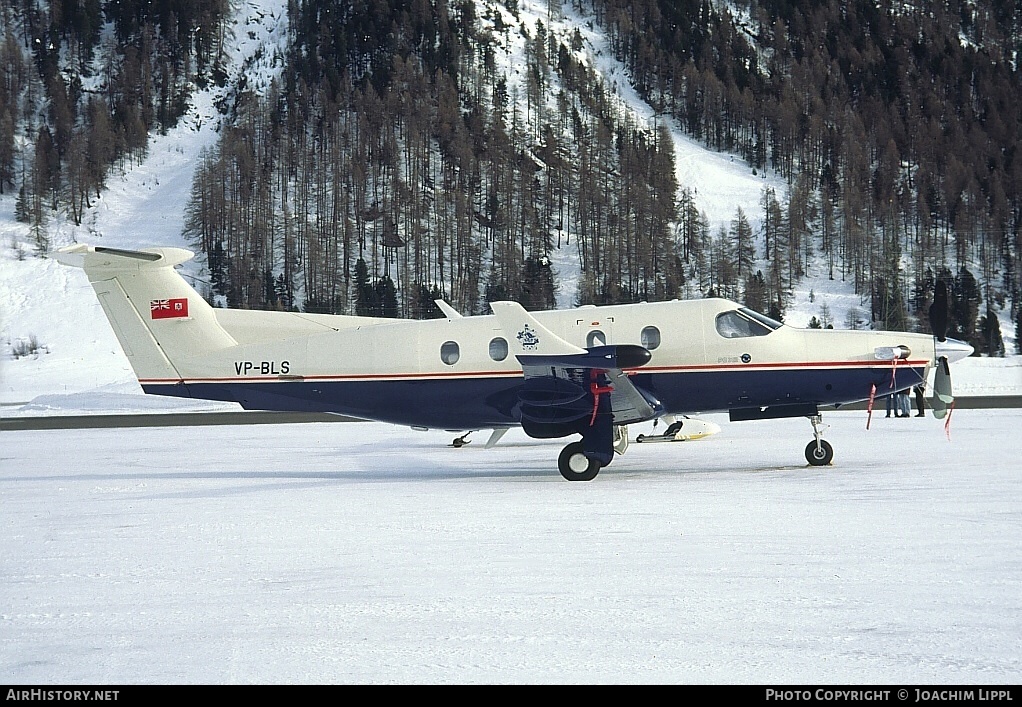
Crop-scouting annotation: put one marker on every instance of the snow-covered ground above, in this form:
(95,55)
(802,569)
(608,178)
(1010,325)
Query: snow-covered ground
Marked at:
(359,552)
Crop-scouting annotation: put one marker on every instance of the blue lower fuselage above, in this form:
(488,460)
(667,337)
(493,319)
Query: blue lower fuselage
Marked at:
(459,403)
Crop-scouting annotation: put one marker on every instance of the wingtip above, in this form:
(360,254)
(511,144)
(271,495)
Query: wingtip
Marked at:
(72,255)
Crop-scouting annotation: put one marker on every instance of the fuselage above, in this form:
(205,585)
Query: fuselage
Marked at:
(460,373)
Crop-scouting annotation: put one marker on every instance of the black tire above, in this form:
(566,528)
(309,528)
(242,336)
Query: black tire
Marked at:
(574,465)
(819,457)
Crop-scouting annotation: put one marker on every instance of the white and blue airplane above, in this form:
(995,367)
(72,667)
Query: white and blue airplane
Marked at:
(585,373)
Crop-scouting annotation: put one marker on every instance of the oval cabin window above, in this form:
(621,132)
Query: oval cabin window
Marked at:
(596,338)
(650,337)
(450,352)
(498,349)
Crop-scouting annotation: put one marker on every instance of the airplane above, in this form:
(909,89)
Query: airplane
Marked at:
(586,372)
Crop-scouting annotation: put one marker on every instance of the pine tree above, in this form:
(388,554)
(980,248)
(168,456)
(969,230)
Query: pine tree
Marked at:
(990,328)
(964,299)
(366,302)
(6,149)
(538,284)
(22,213)
(423,304)
(741,236)
(756,292)
(854,319)
(826,318)
(386,298)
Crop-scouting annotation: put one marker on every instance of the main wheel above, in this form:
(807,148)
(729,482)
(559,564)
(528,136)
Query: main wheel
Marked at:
(575,465)
(819,456)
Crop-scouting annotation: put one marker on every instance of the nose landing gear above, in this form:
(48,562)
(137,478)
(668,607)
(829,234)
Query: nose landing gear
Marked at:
(819,452)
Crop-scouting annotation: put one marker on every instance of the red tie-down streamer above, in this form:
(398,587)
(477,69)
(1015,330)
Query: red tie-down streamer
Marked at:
(597,390)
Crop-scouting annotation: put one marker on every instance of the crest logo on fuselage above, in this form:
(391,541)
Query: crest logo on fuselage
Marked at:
(528,338)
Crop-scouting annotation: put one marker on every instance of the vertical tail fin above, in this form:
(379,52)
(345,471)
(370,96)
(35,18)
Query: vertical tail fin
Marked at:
(163,325)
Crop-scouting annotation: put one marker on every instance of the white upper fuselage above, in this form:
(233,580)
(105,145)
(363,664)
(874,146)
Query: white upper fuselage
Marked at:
(338,347)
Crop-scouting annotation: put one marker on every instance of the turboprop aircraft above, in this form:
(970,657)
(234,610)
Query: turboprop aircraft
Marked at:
(585,372)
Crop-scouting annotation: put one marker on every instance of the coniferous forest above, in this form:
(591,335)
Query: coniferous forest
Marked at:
(398,157)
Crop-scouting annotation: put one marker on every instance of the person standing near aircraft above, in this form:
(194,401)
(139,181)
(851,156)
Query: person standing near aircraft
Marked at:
(904,405)
(920,392)
(899,403)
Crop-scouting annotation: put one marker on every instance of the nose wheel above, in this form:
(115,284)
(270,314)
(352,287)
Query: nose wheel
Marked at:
(819,452)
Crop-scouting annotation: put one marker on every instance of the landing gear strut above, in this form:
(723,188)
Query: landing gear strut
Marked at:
(620,438)
(819,452)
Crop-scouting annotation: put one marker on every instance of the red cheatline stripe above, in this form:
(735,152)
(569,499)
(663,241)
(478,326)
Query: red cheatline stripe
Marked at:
(295,378)
(730,367)
(790,364)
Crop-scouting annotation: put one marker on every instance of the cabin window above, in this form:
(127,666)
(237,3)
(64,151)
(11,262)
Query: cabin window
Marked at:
(450,352)
(498,349)
(596,338)
(650,337)
(744,322)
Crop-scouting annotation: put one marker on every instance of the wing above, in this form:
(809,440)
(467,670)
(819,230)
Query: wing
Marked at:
(565,383)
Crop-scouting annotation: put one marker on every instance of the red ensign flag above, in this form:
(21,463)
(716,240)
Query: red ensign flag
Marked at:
(168,308)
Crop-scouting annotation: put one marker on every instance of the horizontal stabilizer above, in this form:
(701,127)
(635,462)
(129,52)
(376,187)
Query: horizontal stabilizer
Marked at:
(98,258)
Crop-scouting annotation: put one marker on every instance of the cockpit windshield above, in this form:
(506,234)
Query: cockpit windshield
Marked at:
(744,322)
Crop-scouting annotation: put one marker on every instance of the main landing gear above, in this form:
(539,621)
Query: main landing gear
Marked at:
(574,465)
(819,452)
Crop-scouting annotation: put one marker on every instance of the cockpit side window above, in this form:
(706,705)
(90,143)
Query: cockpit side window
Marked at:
(741,323)
(763,319)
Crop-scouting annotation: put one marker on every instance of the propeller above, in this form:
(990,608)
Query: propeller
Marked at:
(945,351)
(938,312)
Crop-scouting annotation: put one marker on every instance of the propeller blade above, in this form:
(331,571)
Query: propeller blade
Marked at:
(945,350)
(938,311)
(942,395)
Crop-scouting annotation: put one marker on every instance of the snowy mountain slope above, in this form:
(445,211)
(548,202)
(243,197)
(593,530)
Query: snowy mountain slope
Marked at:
(144,204)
